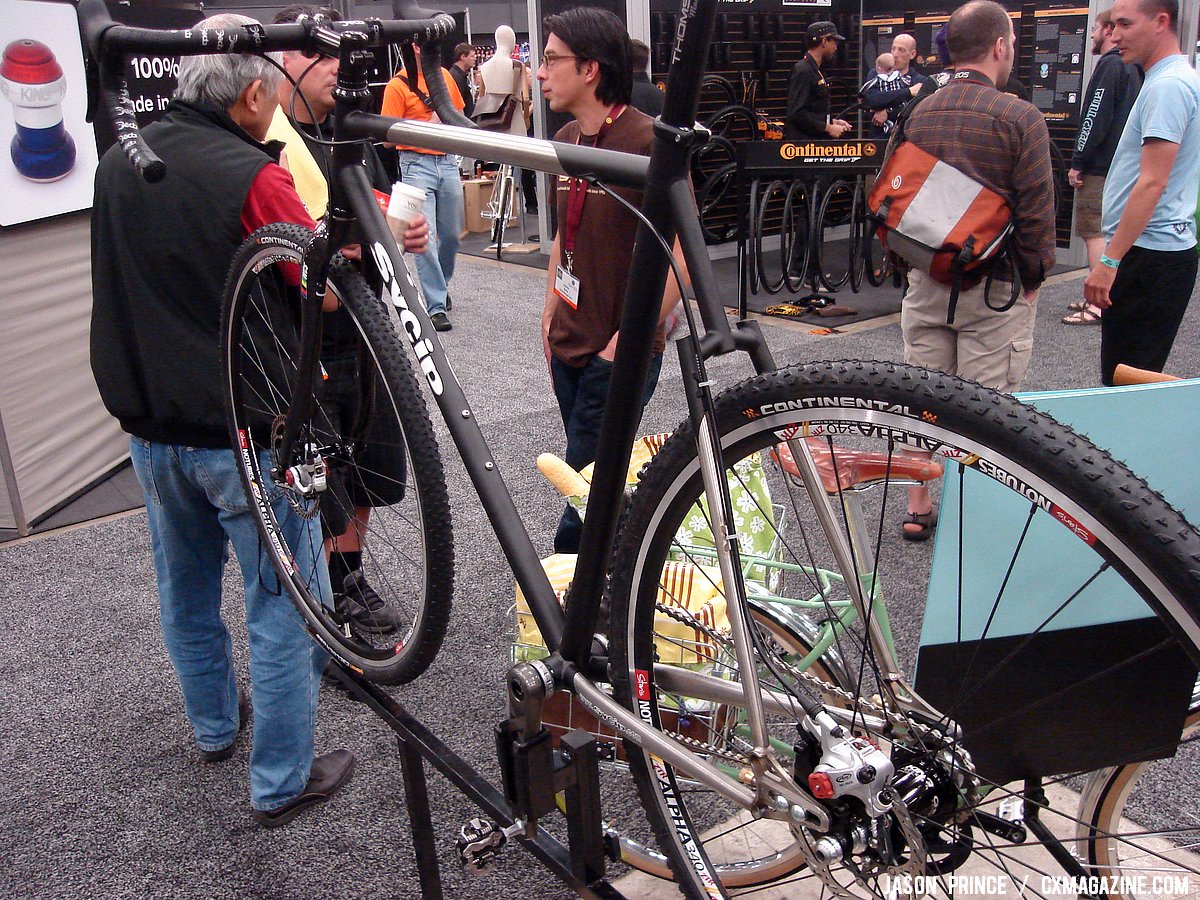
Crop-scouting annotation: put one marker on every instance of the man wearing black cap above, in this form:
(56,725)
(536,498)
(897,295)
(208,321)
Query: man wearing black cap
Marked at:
(808,92)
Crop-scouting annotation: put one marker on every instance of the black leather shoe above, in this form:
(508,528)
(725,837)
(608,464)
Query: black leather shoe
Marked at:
(449,303)
(213,756)
(441,322)
(328,774)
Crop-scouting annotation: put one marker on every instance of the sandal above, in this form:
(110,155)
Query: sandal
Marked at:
(926,521)
(1078,306)
(1083,317)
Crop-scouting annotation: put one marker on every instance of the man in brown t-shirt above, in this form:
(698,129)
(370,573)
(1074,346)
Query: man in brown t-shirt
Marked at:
(586,71)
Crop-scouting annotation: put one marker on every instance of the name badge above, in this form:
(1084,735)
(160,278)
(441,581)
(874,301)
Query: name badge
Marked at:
(566,286)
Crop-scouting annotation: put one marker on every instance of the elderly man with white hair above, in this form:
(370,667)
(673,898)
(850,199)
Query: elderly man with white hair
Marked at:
(159,257)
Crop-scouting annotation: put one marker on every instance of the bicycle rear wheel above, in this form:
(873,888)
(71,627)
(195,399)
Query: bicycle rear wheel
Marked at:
(792,638)
(1020,681)
(366,461)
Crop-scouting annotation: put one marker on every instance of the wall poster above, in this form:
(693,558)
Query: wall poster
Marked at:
(925,30)
(1060,47)
(877,33)
(48,150)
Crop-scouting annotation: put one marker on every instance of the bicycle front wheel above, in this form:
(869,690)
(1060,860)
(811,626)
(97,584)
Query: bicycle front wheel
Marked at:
(366,460)
(998,708)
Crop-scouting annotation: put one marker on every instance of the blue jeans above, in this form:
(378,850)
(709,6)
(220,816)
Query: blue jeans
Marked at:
(197,508)
(439,178)
(581,394)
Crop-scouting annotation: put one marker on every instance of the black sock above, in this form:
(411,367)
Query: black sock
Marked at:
(341,565)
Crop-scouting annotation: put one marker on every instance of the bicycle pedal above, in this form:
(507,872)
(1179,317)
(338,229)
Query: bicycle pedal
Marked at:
(1014,832)
(479,844)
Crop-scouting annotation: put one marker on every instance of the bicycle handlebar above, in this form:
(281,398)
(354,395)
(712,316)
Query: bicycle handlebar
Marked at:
(107,43)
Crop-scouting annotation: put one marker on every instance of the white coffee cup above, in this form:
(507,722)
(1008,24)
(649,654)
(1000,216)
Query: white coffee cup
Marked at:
(406,204)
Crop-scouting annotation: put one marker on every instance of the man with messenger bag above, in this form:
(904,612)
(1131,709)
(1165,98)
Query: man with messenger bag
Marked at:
(1001,144)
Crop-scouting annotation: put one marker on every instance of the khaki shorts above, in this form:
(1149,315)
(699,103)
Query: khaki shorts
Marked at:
(1087,206)
(993,348)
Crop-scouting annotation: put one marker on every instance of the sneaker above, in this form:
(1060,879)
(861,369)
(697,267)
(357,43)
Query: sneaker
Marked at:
(326,777)
(441,321)
(215,756)
(365,609)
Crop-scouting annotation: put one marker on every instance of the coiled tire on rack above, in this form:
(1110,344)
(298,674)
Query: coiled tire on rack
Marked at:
(734,122)
(716,153)
(798,242)
(774,196)
(711,203)
(408,542)
(834,269)
(1088,523)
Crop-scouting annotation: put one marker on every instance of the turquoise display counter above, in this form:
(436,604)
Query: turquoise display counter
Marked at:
(1022,670)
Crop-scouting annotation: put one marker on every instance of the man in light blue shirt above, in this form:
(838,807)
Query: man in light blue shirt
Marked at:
(1148,269)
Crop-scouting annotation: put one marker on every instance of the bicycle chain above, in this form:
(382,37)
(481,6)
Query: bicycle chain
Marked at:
(697,744)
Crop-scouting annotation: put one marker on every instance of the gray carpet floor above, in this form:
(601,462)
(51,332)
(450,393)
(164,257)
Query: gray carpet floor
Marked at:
(101,791)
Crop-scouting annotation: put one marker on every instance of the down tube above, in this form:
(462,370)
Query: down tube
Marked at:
(456,412)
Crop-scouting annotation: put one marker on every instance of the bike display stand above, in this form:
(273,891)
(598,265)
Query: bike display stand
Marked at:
(817,161)
(533,771)
(512,211)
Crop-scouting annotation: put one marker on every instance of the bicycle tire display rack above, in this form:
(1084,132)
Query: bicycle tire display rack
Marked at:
(818,164)
(533,774)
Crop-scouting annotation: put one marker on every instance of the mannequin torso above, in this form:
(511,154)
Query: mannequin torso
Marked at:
(497,79)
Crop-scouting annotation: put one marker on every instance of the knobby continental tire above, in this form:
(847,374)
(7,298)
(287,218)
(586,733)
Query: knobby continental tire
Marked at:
(370,433)
(1110,523)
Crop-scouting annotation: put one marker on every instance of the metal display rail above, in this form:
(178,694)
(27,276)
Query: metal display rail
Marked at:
(533,773)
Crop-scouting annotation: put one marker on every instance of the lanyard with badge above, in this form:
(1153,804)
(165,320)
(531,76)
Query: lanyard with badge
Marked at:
(566,285)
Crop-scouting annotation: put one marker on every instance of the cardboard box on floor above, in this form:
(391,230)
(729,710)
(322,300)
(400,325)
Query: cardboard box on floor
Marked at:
(477,193)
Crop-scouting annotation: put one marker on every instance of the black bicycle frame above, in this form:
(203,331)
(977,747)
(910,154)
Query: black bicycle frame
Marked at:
(355,217)
(668,204)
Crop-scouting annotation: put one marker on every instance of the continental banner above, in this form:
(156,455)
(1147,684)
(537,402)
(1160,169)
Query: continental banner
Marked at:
(847,155)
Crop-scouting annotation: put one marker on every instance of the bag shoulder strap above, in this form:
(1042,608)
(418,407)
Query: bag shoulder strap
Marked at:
(416,90)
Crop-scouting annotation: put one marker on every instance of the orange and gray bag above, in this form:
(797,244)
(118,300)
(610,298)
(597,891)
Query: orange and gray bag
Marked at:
(940,221)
